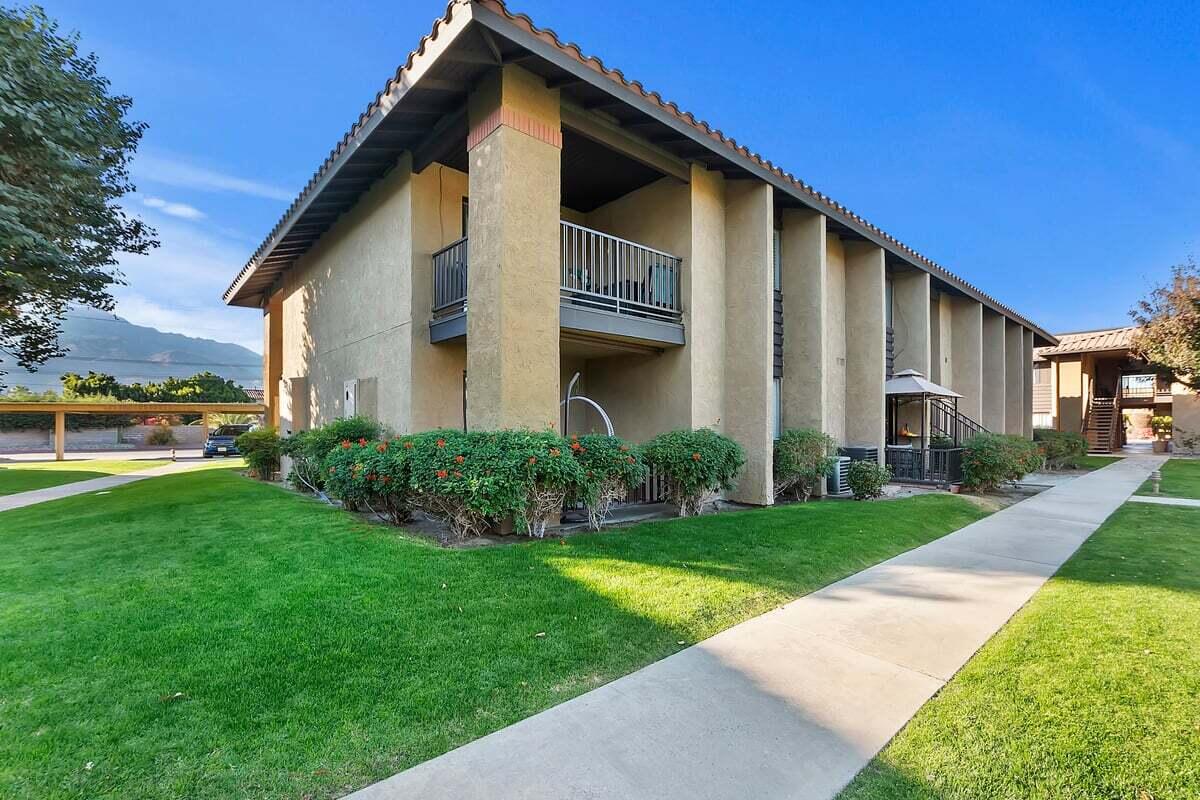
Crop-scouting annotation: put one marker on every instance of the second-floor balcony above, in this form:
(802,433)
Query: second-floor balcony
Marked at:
(608,287)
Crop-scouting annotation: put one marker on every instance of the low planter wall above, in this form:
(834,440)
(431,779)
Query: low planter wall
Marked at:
(126,438)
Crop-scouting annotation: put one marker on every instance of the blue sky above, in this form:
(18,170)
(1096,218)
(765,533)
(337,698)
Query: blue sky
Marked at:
(1048,155)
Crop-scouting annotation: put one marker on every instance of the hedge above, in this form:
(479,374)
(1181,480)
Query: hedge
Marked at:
(697,464)
(990,459)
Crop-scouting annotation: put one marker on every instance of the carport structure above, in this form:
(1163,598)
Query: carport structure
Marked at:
(60,411)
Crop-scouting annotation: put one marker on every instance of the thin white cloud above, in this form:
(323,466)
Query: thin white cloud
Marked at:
(181,210)
(152,168)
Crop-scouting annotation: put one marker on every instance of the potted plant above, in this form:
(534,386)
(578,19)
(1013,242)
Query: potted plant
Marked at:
(1162,426)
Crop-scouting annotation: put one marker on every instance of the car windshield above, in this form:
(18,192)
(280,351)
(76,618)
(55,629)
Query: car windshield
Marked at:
(231,430)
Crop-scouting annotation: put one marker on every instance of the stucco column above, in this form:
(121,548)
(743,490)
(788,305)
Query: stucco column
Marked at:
(966,344)
(910,320)
(804,280)
(272,356)
(1014,374)
(703,290)
(1027,382)
(749,226)
(866,343)
(514,147)
(993,371)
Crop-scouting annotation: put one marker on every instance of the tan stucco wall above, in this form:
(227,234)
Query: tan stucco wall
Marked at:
(993,371)
(704,286)
(941,339)
(835,339)
(272,356)
(910,320)
(1185,409)
(966,373)
(749,397)
(1027,384)
(1070,380)
(866,341)
(513,295)
(437,370)
(804,277)
(648,393)
(1014,378)
(347,307)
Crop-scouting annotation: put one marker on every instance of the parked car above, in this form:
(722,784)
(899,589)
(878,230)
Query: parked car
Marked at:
(223,441)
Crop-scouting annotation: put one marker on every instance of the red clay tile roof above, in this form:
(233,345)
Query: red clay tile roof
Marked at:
(717,137)
(1089,342)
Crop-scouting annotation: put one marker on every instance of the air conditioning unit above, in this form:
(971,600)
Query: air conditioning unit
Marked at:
(860,453)
(836,483)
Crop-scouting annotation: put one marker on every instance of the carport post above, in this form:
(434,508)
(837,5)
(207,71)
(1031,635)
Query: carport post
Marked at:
(60,435)
(204,425)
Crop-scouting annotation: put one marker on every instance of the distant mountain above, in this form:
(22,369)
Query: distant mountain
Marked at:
(107,343)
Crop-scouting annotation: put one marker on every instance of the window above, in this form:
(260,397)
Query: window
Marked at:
(778,421)
(777,254)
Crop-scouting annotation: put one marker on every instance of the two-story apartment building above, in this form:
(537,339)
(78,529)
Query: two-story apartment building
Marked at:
(509,213)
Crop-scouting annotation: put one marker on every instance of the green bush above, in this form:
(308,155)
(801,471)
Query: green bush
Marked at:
(867,479)
(1162,425)
(467,479)
(161,436)
(990,459)
(261,449)
(940,441)
(375,475)
(697,464)
(1060,449)
(308,449)
(612,467)
(803,457)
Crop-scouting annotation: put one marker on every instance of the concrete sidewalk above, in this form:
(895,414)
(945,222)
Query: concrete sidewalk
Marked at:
(22,499)
(791,704)
(1160,500)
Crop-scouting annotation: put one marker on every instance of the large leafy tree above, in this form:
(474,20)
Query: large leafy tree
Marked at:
(204,387)
(65,145)
(1169,320)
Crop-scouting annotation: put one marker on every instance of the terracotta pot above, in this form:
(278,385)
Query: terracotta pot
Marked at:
(1160,445)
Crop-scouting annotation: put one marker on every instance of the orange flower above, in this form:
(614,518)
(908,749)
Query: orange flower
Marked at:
(381,447)
(441,473)
(533,460)
(386,479)
(576,446)
(457,474)
(362,442)
(459,459)
(370,476)
(624,448)
(408,445)
(554,451)
(345,444)
(630,459)
(695,456)
(441,442)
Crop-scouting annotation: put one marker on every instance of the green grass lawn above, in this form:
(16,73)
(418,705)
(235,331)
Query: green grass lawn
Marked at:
(1094,462)
(1180,478)
(1089,692)
(27,476)
(204,636)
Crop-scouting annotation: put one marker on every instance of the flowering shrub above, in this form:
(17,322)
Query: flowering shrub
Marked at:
(802,458)
(867,479)
(697,464)
(465,479)
(308,449)
(372,475)
(611,468)
(990,459)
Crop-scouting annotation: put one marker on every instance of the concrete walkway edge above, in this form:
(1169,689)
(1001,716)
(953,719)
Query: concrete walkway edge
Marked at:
(23,499)
(793,703)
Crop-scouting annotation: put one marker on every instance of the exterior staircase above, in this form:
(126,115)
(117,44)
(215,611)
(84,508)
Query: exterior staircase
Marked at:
(1100,425)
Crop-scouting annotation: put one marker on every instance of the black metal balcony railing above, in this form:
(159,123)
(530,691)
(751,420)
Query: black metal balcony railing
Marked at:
(598,271)
(606,273)
(925,465)
(450,278)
